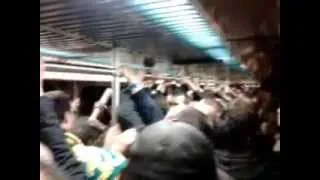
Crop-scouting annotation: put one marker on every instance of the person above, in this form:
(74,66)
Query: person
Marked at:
(128,117)
(207,109)
(239,150)
(193,90)
(194,117)
(100,163)
(50,172)
(144,105)
(45,154)
(52,136)
(170,151)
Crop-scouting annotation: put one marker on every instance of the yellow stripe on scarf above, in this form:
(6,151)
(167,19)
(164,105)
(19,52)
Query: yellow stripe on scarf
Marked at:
(72,139)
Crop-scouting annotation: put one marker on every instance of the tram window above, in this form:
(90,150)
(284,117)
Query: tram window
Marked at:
(54,85)
(89,95)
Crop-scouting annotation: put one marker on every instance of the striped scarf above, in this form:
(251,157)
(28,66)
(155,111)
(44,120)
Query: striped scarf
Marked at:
(100,164)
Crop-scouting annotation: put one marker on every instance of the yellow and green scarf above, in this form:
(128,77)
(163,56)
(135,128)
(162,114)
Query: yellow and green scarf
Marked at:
(100,163)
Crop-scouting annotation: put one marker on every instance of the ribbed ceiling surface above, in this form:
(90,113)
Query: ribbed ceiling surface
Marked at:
(93,26)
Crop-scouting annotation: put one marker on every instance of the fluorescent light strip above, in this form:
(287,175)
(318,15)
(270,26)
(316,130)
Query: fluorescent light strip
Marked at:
(169,9)
(191,29)
(222,54)
(75,62)
(174,14)
(46,51)
(195,32)
(178,16)
(201,45)
(204,42)
(177,20)
(67,76)
(194,25)
(202,39)
(142,2)
(182,18)
(216,52)
(71,67)
(182,22)
(156,4)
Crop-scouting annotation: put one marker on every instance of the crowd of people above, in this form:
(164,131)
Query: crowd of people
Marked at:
(165,130)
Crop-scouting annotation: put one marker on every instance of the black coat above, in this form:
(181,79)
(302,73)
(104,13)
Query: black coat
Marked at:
(52,135)
(138,109)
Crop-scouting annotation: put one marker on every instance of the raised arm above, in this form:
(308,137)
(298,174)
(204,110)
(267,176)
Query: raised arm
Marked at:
(149,111)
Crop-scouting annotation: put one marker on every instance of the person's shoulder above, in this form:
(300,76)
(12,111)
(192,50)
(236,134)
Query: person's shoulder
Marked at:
(44,100)
(108,163)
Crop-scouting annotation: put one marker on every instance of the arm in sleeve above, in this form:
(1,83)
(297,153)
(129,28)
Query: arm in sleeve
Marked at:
(127,115)
(149,111)
(52,135)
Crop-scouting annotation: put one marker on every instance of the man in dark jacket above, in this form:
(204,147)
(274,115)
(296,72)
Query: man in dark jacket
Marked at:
(128,117)
(136,104)
(52,136)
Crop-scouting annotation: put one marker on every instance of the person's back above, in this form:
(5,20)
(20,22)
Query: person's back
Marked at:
(234,136)
(238,147)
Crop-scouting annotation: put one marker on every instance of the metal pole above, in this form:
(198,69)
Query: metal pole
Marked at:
(115,85)
(75,90)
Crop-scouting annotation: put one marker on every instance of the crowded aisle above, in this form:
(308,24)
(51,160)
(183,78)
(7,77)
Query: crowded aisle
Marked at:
(159,90)
(173,130)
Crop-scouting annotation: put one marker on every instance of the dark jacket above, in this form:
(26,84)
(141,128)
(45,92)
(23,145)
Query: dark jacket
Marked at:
(138,109)
(127,115)
(240,151)
(52,135)
(147,108)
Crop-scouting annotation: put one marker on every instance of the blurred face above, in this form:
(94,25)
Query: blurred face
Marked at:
(69,120)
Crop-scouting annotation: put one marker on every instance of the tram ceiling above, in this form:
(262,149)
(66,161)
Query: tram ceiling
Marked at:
(161,28)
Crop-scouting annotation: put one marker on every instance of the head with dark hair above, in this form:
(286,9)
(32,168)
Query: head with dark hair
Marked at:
(196,118)
(239,146)
(238,124)
(170,151)
(210,104)
(83,130)
(62,108)
(210,96)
